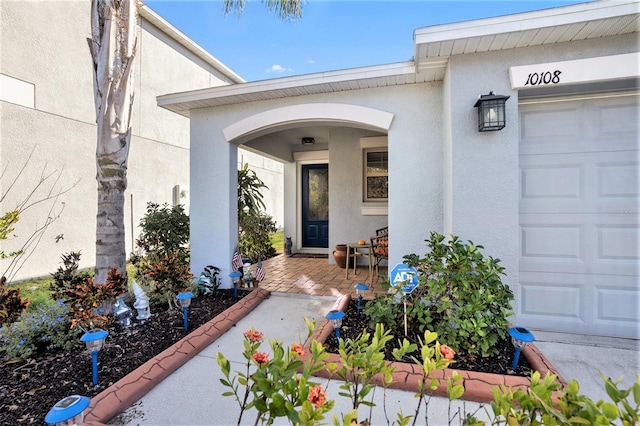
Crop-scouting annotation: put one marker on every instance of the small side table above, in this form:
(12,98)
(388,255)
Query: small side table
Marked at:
(354,251)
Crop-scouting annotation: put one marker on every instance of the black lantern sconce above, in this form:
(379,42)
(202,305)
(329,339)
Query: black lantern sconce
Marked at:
(491,112)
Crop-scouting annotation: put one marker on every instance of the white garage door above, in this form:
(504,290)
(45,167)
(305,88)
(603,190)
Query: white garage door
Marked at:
(579,215)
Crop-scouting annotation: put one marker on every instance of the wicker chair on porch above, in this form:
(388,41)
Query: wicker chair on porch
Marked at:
(380,247)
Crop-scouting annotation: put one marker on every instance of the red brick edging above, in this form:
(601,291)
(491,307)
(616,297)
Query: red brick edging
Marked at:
(126,391)
(477,385)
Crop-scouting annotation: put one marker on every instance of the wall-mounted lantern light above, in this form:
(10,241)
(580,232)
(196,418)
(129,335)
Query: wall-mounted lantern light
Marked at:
(308,141)
(491,112)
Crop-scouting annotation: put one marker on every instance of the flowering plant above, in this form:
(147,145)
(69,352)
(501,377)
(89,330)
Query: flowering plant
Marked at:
(278,386)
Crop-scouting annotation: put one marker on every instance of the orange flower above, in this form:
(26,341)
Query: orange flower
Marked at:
(261,357)
(447,352)
(317,395)
(253,335)
(297,348)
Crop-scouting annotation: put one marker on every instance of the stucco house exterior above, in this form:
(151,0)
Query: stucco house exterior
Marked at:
(47,108)
(554,194)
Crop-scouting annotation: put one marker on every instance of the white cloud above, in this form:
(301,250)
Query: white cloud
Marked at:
(278,68)
(310,61)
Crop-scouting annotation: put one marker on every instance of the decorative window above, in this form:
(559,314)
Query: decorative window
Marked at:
(376,174)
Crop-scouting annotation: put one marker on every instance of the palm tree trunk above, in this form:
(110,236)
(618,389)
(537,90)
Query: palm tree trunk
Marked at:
(113,47)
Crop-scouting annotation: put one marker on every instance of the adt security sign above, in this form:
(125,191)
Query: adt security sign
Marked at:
(403,274)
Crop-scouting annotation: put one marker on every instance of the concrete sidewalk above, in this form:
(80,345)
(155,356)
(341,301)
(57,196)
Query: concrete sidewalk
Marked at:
(192,394)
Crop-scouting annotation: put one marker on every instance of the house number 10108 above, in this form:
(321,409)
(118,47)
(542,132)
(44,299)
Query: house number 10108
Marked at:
(536,79)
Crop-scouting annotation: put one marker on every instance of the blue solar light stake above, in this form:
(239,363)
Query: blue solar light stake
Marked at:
(68,411)
(520,338)
(335,317)
(185,301)
(359,289)
(94,339)
(235,279)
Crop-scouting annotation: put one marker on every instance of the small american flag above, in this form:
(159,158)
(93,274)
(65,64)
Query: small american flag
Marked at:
(259,271)
(236,260)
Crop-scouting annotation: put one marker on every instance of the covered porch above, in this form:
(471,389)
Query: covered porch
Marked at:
(315,276)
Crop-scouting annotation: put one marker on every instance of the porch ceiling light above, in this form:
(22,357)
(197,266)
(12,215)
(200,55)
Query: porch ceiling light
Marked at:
(308,141)
(491,112)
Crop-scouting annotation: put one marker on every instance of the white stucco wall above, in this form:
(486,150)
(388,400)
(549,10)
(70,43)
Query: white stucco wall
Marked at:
(44,45)
(482,169)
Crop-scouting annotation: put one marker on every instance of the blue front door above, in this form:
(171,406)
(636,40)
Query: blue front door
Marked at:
(315,205)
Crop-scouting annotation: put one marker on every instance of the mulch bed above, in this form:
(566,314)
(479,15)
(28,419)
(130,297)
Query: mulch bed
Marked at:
(29,388)
(353,325)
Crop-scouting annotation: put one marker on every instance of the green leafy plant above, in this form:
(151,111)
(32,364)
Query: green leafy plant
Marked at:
(254,226)
(12,305)
(209,280)
(164,257)
(90,304)
(383,309)
(543,402)
(460,295)
(360,360)
(165,230)
(67,276)
(255,236)
(38,332)
(170,276)
(278,386)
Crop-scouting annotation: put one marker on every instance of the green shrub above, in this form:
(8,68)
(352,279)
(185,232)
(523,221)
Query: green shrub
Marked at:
(255,236)
(383,309)
(543,402)
(67,276)
(44,330)
(90,304)
(165,230)
(460,295)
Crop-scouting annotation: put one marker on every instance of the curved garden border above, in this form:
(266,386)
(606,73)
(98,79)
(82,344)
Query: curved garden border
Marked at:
(126,391)
(477,385)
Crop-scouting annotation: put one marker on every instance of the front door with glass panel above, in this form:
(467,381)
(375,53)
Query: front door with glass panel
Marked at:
(315,205)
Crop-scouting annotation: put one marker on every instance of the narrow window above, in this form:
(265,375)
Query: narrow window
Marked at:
(376,174)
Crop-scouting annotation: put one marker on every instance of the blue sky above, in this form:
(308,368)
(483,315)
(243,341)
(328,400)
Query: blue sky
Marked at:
(331,35)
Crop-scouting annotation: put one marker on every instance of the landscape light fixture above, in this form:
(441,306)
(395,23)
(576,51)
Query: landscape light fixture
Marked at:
(235,279)
(335,318)
(308,141)
(94,339)
(122,313)
(520,338)
(491,112)
(360,288)
(68,411)
(184,299)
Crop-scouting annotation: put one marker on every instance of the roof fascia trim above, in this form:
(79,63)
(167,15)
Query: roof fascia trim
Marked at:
(264,86)
(525,21)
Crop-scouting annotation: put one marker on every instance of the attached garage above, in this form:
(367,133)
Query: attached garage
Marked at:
(579,195)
